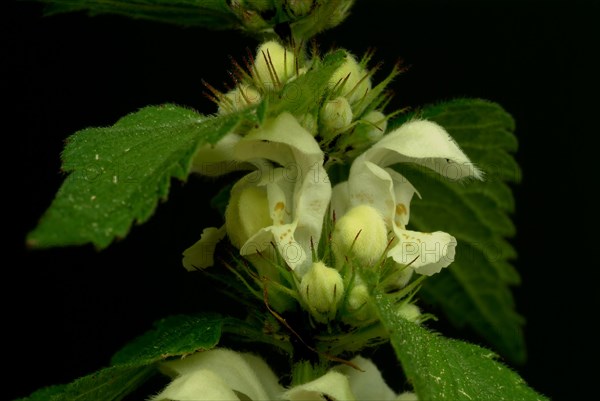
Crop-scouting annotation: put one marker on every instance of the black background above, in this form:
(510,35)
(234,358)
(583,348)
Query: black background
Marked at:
(67,310)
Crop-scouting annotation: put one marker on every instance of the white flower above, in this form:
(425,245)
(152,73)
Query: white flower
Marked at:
(282,202)
(222,374)
(346,383)
(373,183)
(219,374)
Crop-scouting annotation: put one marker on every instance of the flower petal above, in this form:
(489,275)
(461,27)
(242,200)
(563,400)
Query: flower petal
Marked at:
(427,253)
(310,208)
(201,254)
(368,384)
(284,141)
(298,193)
(333,384)
(403,193)
(244,373)
(340,199)
(407,396)
(385,189)
(425,143)
(200,385)
(218,159)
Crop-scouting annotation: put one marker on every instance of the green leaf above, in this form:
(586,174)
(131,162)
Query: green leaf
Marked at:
(110,384)
(444,369)
(474,290)
(258,17)
(213,14)
(118,174)
(135,363)
(172,336)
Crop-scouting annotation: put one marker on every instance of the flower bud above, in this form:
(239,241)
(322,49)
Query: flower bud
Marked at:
(239,98)
(376,125)
(335,115)
(322,289)
(351,79)
(358,304)
(246,214)
(410,312)
(274,64)
(360,234)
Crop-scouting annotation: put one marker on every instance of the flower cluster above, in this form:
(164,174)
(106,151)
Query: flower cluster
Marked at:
(283,201)
(304,240)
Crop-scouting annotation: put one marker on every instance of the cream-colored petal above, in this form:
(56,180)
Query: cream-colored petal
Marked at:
(199,385)
(425,143)
(246,374)
(385,189)
(427,253)
(218,159)
(283,140)
(282,236)
(310,207)
(407,396)
(333,384)
(367,385)
(340,199)
(201,254)
(247,210)
(261,242)
(293,252)
(371,185)
(403,193)
(268,379)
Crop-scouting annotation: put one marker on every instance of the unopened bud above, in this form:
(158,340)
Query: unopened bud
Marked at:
(239,98)
(410,312)
(351,79)
(274,64)
(322,289)
(335,115)
(358,304)
(375,126)
(360,234)
(246,214)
